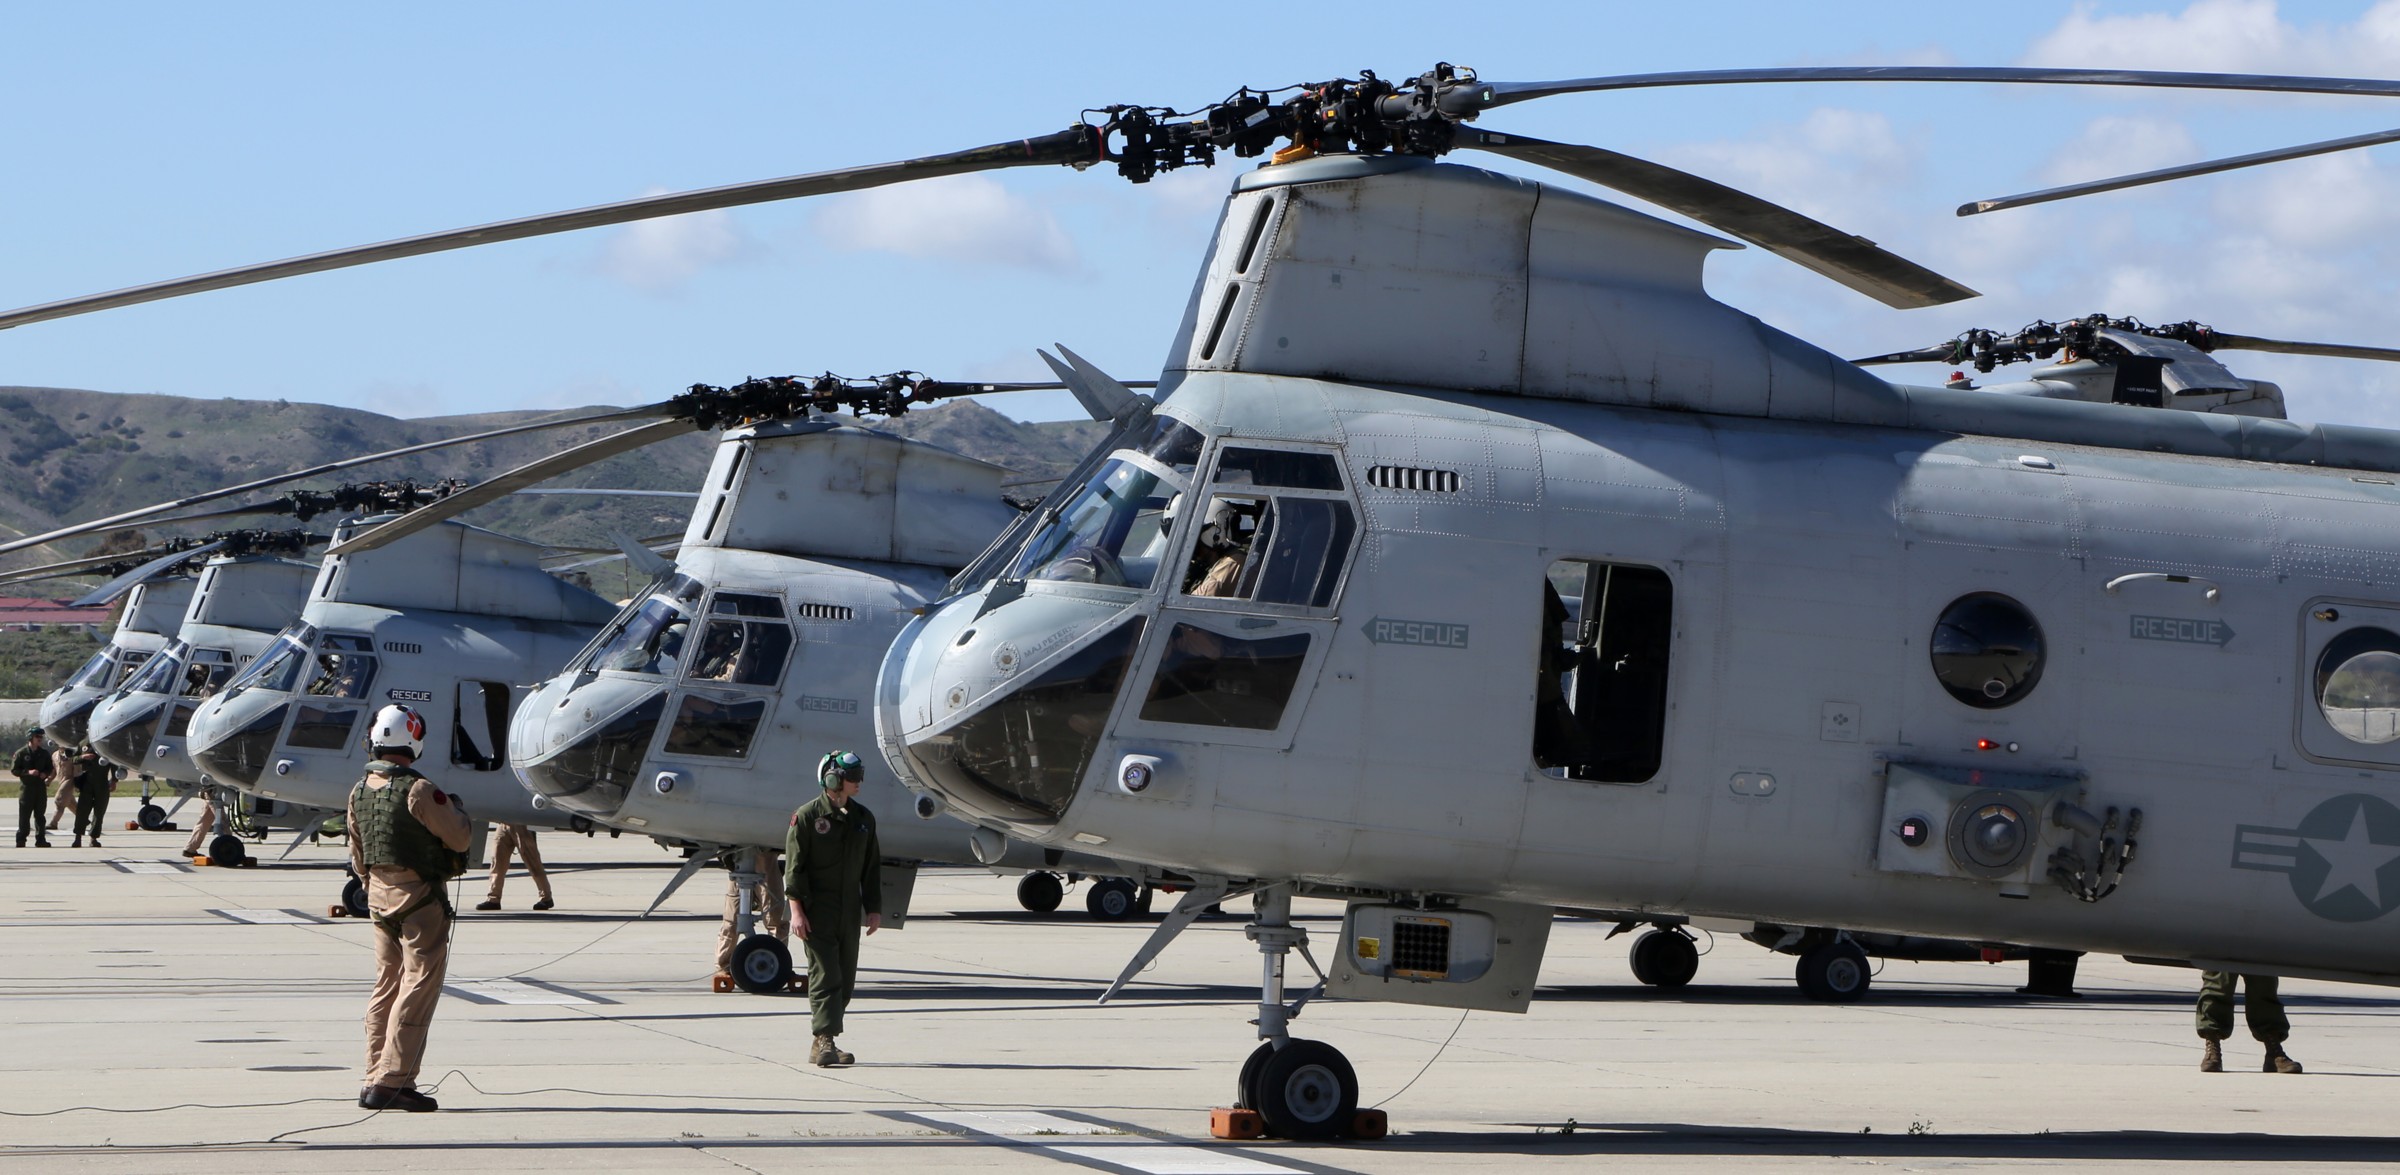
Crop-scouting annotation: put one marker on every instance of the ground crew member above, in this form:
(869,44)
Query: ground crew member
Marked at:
(2263,1009)
(94,780)
(517,839)
(204,823)
(833,874)
(406,839)
(32,767)
(768,864)
(62,775)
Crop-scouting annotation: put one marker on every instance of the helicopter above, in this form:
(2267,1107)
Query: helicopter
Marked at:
(1912,659)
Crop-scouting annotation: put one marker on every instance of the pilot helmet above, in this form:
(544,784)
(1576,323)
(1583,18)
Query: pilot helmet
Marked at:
(397,727)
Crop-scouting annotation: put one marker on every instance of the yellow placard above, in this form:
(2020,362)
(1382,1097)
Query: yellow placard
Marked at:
(1370,948)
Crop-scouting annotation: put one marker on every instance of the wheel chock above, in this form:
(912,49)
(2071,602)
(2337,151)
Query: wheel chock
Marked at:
(337,910)
(202,861)
(1370,1125)
(720,983)
(133,826)
(1235,1123)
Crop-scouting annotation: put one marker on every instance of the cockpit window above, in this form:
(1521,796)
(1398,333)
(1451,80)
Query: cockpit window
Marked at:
(345,667)
(95,672)
(648,640)
(128,661)
(159,675)
(1278,467)
(1023,757)
(1278,550)
(278,669)
(1110,533)
(743,652)
(206,672)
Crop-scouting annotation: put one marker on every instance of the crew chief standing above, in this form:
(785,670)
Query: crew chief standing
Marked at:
(32,767)
(407,837)
(833,874)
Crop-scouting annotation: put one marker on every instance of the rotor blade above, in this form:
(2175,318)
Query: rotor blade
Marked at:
(142,574)
(1488,95)
(67,568)
(1076,145)
(1942,353)
(605,493)
(2182,171)
(151,511)
(507,483)
(1855,262)
(2220,341)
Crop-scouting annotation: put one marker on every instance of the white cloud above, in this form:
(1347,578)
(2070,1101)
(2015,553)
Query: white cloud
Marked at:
(659,256)
(970,218)
(2228,36)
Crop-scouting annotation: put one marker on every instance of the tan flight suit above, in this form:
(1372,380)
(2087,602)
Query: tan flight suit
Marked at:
(410,964)
(203,824)
(766,899)
(62,772)
(518,840)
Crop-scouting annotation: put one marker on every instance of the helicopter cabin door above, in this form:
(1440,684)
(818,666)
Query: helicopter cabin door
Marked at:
(479,726)
(1259,551)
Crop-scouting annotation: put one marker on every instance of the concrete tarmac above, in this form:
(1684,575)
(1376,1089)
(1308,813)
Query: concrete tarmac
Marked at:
(207,1020)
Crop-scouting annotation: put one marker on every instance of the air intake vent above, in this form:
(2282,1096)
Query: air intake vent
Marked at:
(822,611)
(1400,477)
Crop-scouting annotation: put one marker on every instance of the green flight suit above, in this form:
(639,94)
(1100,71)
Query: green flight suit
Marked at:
(833,866)
(2263,1008)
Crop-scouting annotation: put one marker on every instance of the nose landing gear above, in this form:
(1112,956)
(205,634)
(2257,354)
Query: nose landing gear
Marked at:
(1299,1088)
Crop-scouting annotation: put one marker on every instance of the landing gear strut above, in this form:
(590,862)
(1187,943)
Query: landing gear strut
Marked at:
(1300,1088)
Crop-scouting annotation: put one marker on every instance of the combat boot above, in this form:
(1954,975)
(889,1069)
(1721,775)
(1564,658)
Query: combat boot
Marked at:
(2212,1057)
(839,1057)
(2278,1061)
(821,1054)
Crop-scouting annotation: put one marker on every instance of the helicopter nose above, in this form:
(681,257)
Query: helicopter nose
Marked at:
(121,730)
(1000,712)
(589,748)
(233,740)
(67,715)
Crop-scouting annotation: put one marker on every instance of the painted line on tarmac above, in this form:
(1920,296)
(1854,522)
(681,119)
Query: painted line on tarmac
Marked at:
(150,866)
(518,991)
(1033,1131)
(269,917)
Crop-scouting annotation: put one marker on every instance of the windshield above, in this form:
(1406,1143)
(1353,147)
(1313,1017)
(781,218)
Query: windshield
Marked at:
(158,674)
(1112,532)
(1168,442)
(94,672)
(278,668)
(649,640)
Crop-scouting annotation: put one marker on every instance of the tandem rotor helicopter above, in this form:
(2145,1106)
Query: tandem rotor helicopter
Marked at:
(1472,562)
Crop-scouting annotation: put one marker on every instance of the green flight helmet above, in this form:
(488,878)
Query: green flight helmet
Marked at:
(839,765)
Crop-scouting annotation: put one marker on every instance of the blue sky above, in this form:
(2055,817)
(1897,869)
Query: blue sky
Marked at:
(152,140)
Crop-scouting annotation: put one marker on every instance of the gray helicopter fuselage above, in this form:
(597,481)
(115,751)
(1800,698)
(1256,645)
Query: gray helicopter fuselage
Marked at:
(452,622)
(152,613)
(1548,580)
(237,607)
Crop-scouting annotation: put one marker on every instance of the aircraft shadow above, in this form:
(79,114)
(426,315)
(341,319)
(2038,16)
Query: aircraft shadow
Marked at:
(1737,1142)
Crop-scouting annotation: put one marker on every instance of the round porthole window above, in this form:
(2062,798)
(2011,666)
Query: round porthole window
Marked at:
(2358,685)
(1987,650)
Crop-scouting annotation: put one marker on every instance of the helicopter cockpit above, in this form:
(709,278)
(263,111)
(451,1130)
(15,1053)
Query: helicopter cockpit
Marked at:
(999,699)
(158,702)
(319,681)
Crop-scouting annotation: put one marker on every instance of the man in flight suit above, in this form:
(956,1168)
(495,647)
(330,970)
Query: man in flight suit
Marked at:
(32,767)
(516,839)
(406,839)
(62,775)
(833,874)
(94,779)
(2262,1007)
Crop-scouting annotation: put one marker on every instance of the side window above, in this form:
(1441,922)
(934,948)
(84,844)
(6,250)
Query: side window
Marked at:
(345,667)
(1600,701)
(746,641)
(1208,679)
(323,728)
(479,726)
(715,727)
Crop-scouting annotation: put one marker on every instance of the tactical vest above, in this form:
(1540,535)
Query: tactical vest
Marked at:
(388,834)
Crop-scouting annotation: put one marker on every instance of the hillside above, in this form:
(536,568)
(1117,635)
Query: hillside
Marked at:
(79,455)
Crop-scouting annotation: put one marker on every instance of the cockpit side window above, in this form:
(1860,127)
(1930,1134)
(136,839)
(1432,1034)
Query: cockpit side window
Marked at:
(206,672)
(746,641)
(345,667)
(1285,549)
(128,662)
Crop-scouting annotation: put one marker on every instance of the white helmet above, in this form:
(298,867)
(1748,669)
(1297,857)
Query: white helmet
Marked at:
(398,726)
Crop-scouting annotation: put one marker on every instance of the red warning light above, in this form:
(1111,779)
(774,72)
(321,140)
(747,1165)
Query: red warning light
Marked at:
(1985,744)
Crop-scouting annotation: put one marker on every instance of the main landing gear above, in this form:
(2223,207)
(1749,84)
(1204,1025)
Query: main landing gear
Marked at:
(762,964)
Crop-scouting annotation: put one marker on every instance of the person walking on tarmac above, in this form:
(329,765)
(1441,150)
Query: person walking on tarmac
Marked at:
(204,823)
(516,839)
(833,874)
(768,864)
(94,780)
(62,775)
(2262,1007)
(33,768)
(407,837)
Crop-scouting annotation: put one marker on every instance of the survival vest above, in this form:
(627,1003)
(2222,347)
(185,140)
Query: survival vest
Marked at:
(389,835)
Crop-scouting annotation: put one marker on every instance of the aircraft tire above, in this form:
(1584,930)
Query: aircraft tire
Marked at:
(762,965)
(354,898)
(1040,892)
(1246,1087)
(1112,899)
(1665,959)
(1834,973)
(1306,1090)
(227,850)
(150,817)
